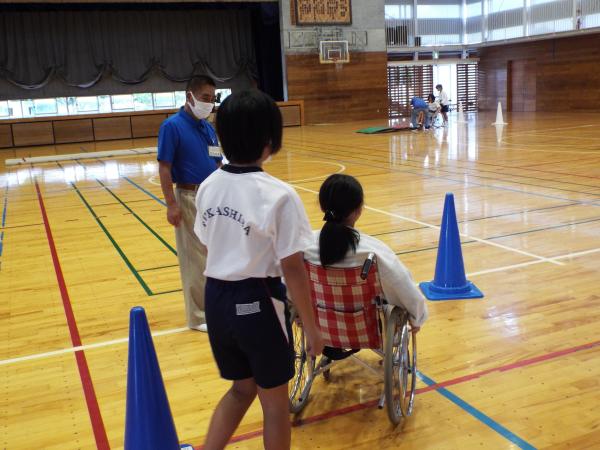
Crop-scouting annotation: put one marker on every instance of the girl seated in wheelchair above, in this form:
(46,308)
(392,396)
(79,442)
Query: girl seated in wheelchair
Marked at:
(339,244)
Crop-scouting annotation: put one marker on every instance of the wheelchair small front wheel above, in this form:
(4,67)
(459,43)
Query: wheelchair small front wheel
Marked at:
(399,366)
(299,386)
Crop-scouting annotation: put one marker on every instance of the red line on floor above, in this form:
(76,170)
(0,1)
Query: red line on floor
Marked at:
(84,371)
(453,381)
(511,366)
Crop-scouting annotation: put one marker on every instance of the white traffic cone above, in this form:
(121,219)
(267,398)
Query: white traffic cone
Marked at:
(461,114)
(499,118)
(499,130)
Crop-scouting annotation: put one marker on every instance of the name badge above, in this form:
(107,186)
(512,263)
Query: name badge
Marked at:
(214,151)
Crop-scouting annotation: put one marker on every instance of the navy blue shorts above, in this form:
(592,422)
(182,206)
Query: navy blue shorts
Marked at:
(249,330)
(445,108)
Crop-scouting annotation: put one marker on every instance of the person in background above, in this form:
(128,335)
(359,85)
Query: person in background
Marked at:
(442,99)
(183,158)
(418,106)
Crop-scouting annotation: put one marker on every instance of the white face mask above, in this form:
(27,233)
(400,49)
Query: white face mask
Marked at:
(200,109)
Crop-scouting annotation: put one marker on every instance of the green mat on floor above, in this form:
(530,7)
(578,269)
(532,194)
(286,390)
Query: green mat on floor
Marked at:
(376,130)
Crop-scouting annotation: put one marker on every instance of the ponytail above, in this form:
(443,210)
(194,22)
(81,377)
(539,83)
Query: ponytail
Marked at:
(335,241)
(339,196)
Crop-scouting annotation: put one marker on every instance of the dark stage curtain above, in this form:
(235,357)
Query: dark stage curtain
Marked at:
(78,48)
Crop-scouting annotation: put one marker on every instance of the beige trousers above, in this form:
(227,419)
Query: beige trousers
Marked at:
(192,259)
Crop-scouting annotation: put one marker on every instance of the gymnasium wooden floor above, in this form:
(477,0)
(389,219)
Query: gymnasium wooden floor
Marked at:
(84,241)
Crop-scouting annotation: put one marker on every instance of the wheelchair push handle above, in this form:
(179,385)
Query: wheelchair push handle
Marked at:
(366,268)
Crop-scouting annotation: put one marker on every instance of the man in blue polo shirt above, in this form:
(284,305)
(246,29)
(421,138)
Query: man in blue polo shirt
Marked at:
(418,106)
(184,159)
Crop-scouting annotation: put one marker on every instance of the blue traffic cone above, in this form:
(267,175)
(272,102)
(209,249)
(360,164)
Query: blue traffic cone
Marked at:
(148,421)
(450,282)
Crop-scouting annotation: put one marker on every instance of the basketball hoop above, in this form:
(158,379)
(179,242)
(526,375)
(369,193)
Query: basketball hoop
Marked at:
(334,52)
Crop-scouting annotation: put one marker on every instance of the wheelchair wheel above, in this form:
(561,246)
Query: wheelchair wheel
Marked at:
(299,386)
(400,367)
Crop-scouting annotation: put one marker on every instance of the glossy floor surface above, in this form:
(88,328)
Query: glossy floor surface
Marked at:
(84,241)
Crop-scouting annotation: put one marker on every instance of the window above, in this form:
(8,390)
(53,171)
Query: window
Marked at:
(101,104)
(505,5)
(398,11)
(590,21)
(222,94)
(438,12)
(104,104)
(84,104)
(45,107)
(122,102)
(27,108)
(164,100)
(474,38)
(4,110)
(552,26)
(142,102)
(440,39)
(474,9)
(179,98)
(62,107)
(506,33)
(445,74)
(406,82)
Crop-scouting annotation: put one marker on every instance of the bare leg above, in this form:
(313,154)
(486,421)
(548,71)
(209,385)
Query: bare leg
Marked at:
(277,428)
(229,413)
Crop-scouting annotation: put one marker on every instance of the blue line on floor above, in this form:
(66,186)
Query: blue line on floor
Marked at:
(478,414)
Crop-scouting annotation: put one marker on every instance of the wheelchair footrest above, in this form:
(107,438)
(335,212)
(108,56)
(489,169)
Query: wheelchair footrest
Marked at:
(337,354)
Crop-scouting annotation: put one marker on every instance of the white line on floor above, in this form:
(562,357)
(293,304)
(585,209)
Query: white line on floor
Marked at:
(83,347)
(466,236)
(179,330)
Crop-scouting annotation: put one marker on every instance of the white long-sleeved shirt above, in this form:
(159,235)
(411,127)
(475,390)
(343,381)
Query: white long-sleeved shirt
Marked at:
(397,284)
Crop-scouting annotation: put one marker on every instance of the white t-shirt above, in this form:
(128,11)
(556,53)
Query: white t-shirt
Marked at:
(442,98)
(397,284)
(249,221)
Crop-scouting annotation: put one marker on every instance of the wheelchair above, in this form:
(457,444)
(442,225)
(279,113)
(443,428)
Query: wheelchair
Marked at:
(351,314)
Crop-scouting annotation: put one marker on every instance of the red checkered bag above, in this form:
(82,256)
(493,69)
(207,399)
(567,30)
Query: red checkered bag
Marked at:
(345,306)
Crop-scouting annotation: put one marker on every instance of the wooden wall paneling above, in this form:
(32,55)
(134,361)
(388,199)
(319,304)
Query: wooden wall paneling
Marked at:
(522,85)
(291,115)
(76,130)
(6,136)
(102,127)
(112,128)
(566,72)
(33,133)
(146,125)
(357,91)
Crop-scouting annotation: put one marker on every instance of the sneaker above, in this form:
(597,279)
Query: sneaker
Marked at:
(202,327)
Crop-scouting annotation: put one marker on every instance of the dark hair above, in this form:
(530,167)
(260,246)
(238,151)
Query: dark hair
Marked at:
(199,81)
(431,98)
(339,196)
(247,122)
(438,86)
